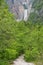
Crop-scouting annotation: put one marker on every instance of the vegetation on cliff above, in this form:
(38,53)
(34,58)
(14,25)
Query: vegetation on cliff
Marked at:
(18,38)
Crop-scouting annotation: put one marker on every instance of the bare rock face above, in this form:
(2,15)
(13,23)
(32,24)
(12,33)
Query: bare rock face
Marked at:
(18,8)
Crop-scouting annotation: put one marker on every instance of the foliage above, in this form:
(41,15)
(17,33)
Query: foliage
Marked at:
(37,12)
(18,38)
(4,62)
(31,55)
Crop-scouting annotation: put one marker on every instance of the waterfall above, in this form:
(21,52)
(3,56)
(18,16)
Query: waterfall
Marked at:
(25,14)
(22,7)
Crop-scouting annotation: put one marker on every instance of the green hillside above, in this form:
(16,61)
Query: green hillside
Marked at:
(22,37)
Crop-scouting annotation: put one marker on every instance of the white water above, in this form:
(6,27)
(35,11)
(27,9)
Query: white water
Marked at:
(25,15)
(21,61)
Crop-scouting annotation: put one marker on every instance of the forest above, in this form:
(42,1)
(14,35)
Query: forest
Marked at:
(17,38)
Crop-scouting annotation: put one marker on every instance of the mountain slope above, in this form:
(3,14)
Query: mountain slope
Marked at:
(37,14)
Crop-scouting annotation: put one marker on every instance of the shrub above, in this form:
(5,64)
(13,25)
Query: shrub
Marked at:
(8,54)
(11,54)
(20,49)
(2,62)
(31,55)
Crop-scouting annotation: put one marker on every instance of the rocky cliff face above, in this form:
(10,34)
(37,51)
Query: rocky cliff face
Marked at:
(18,7)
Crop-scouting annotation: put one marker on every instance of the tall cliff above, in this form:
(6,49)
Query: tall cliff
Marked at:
(17,7)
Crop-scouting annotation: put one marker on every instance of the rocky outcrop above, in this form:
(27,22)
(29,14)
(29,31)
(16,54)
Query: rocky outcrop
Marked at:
(19,7)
